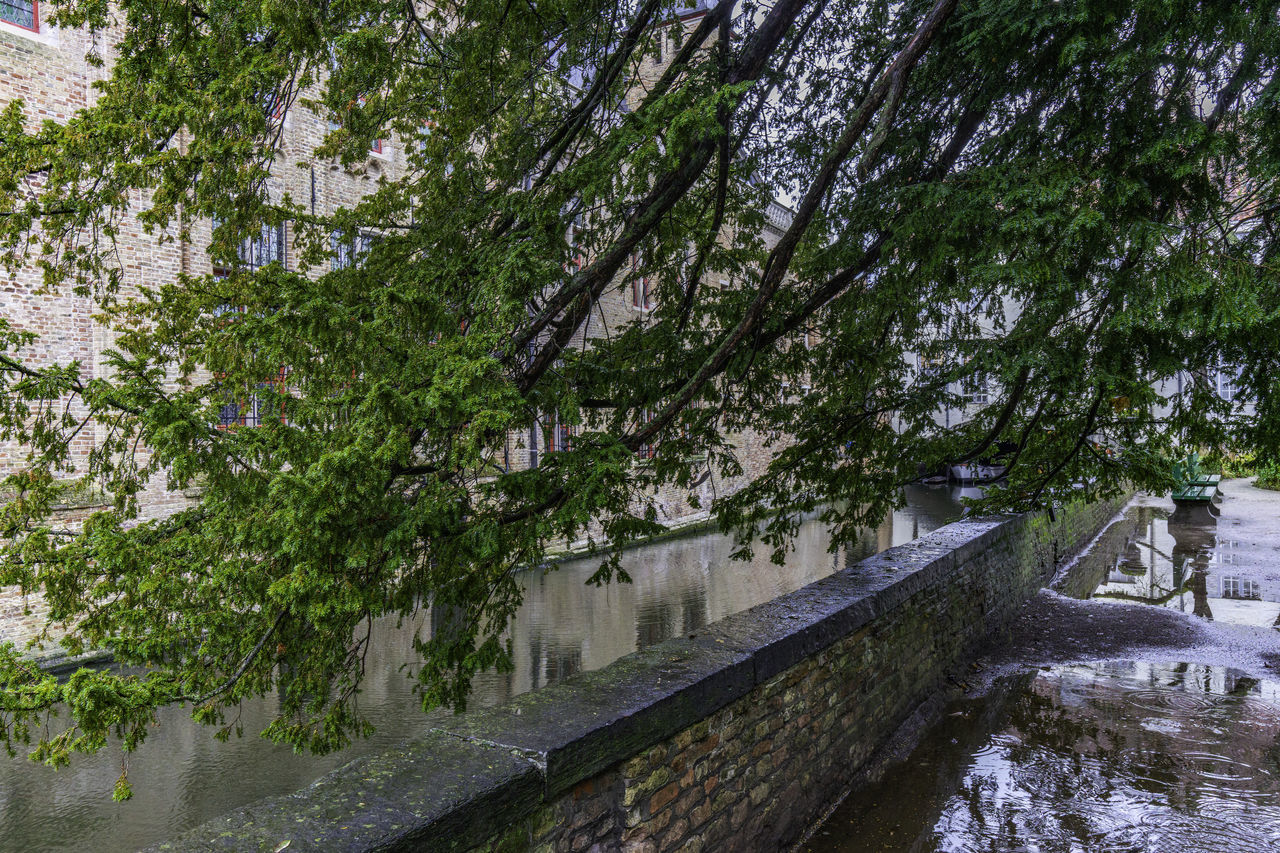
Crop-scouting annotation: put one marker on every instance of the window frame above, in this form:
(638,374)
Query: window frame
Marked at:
(250,408)
(1236,588)
(641,293)
(559,439)
(349,252)
(976,388)
(648,450)
(375,145)
(254,253)
(1226,383)
(35,19)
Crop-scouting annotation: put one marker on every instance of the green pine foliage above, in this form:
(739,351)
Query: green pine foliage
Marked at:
(1069,198)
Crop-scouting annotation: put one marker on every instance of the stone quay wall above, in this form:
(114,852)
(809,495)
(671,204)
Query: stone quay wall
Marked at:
(737,737)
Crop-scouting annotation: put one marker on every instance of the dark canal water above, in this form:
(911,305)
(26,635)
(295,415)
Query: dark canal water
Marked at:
(1105,757)
(182,777)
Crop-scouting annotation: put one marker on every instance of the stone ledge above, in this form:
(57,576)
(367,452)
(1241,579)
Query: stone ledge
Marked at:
(580,726)
(780,633)
(436,793)
(57,662)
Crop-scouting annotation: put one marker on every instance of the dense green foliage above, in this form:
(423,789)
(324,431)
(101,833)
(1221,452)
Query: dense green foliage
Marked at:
(1269,476)
(1069,198)
(1231,465)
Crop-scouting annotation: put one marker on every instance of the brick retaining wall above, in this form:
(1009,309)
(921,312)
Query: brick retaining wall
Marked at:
(733,738)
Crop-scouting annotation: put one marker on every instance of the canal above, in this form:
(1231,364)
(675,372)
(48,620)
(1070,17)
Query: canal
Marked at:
(182,776)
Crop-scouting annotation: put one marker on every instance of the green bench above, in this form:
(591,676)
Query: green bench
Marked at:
(1196,492)
(1191,503)
(1195,501)
(1212,481)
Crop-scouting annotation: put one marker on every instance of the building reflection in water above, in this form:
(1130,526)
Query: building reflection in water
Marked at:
(1191,568)
(678,587)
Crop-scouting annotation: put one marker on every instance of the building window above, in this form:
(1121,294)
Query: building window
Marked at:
(266,247)
(560,436)
(375,147)
(977,390)
(1241,588)
(646,451)
(929,368)
(252,410)
(21,13)
(273,103)
(575,237)
(348,251)
(248,409)
(641,295)
(1226,381)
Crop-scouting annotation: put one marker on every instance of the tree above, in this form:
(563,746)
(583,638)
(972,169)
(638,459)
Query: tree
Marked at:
(1107,168)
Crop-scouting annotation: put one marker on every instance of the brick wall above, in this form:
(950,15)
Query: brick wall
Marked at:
(736,737)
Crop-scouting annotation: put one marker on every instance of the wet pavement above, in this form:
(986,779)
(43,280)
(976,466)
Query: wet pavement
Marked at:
(1141,715)
(1224,572)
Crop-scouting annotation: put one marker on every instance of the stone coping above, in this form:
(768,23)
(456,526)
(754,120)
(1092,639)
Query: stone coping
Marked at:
(482,771)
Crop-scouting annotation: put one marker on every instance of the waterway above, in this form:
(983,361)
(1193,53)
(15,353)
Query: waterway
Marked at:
(182,776)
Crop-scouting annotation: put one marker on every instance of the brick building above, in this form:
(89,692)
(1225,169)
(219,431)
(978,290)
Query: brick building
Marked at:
(46,68)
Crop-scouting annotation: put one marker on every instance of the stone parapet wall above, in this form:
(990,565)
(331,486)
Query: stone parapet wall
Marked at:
(736,737)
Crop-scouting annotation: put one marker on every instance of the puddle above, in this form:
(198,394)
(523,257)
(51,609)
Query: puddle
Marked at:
(1088,758)
(1192,568)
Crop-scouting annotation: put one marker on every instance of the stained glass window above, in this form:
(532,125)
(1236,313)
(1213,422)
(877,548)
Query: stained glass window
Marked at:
(20,12)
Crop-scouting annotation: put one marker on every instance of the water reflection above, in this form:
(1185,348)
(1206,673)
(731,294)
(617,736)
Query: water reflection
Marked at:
(182,777)
(1112,756)
(1192,568)
(678,587)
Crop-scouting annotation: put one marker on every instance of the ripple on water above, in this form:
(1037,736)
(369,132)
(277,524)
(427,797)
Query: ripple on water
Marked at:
(1115,757)
(1203,834)
(1160,701)
(1222,768)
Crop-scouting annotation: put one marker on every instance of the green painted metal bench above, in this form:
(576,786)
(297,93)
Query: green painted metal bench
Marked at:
(1210,480)
(1194,504)
(1195,493)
